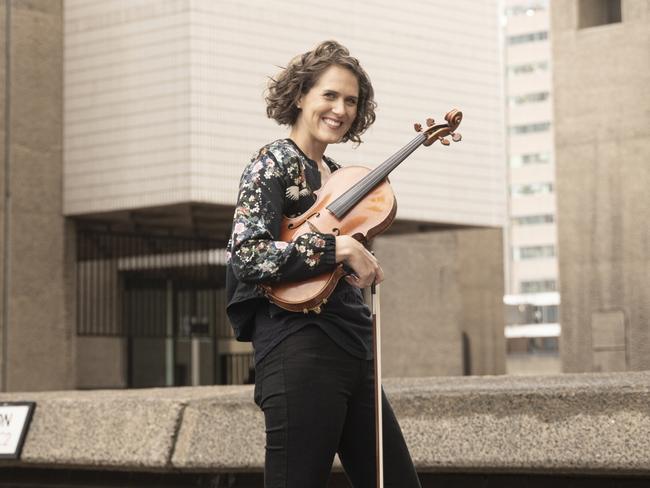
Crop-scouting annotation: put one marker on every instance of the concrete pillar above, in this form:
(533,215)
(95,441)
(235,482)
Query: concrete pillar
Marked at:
(602,113)
(40,328)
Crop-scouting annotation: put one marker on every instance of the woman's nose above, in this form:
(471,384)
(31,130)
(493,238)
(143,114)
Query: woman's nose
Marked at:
(338,107)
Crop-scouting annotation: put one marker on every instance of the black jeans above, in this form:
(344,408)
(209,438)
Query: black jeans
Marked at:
(319,400)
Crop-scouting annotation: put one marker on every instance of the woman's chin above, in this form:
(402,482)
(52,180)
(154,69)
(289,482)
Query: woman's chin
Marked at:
(331,137)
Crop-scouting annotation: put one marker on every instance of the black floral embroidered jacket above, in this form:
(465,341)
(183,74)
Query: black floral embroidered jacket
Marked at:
(276,183)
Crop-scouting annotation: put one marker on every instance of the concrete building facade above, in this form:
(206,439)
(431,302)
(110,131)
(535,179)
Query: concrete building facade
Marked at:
(159,107)
(602,111)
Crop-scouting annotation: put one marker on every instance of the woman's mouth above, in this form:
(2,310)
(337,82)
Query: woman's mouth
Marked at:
(332,123)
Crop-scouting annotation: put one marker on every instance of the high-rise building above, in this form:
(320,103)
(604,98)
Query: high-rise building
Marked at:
(532,298)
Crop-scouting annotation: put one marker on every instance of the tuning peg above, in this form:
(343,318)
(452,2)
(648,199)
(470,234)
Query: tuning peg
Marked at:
(418,127)
(456,137)
(430,122)
(443,141)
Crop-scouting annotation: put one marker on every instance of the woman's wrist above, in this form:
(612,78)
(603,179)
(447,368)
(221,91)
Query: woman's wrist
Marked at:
(342,248)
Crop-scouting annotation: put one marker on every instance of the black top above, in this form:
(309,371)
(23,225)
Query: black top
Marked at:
(280,181)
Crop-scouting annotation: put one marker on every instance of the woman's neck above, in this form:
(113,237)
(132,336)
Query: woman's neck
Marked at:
(312,149)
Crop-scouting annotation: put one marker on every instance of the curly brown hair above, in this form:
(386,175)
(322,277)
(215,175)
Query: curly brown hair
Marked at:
(302,73)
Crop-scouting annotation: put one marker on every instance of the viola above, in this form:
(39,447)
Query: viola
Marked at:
(355,201)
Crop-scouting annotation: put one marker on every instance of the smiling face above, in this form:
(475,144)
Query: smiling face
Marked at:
(327,111)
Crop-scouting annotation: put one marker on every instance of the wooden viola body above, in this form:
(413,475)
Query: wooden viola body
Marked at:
(355,201)
(368,218)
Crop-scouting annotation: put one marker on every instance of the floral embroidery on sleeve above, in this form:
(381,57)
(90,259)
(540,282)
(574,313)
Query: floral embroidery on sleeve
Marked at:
(256,256)
(299,187)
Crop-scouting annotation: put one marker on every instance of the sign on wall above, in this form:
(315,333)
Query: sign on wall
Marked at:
(14,423)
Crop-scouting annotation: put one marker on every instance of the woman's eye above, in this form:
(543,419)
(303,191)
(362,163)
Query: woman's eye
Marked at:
(329,96)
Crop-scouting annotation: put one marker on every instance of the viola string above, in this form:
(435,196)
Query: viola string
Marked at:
(353,195)
(347,200)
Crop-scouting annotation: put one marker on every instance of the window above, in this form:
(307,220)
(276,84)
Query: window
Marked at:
(547,314)
(518,190)
(538,286)
(530,158)
(528,128)
(528,98)
(598,12)
(528,68)
(531,9)
(533,345)
(543,345)
(534,219)
(524,38)
(533,252)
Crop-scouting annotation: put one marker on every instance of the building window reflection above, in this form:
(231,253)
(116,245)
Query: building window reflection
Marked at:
(531,189)
(537,286)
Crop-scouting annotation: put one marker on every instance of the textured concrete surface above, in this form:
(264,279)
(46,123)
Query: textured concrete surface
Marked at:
(40,328)
(122,429)
(481,280)
(440,285)
(420,305)
(101,362)
(602,134)
(589,424)
(224,433)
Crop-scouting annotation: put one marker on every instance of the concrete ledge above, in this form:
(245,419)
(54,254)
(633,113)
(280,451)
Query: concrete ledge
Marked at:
(582,424)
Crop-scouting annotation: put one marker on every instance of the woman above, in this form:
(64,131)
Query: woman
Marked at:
(314,374)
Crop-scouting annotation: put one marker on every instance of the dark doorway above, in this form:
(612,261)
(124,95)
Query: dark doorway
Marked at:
(164,297)
(173,337)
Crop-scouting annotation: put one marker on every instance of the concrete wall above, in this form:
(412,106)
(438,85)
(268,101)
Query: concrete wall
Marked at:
(438,286)
(602,113)
(480,272)
(41,246)
(532,364)
(3,201)
(101,362)
(596,424)
(164,98)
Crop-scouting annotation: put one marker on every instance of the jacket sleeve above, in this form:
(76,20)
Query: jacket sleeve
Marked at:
(255,254)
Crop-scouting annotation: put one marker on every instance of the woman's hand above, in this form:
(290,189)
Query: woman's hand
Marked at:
(366,267)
